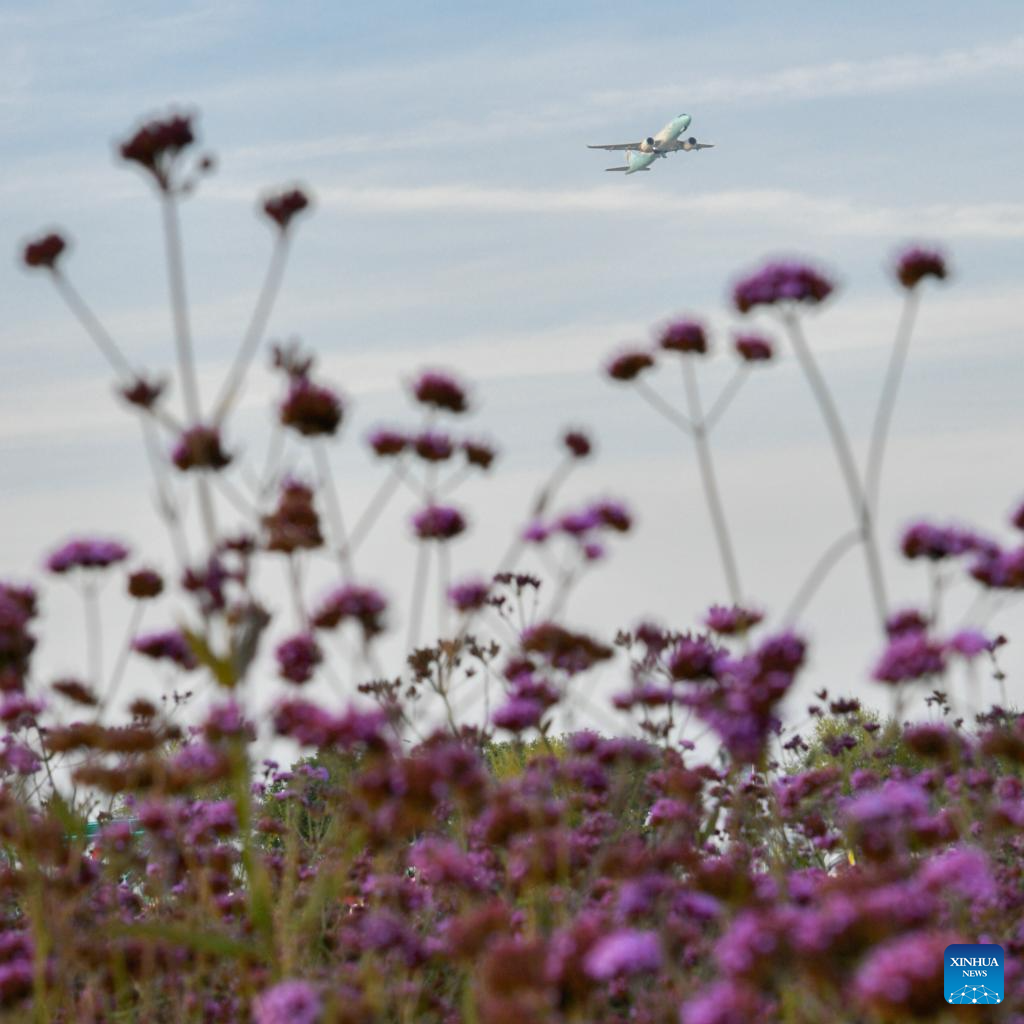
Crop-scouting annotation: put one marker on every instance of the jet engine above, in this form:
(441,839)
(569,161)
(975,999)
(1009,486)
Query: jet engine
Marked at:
(648,145)
(690,143)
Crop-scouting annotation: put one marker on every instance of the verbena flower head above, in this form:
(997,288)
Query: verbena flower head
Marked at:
(433,446)
(440,391)
(285,206)
(1017,519)
(903,978)
(579,444)
(781,282)
(145,584)
(199,448)
(753,348)
(387,443)
(470,595)
(297,658)
(623,952)
(44,252)
(915,264)
(438,522)
(294,525)
(143,392)
(909,656)
(352,602)
(157,144)
(168,645)
(686,336)
(925,540)
(907,620)
(479,454)
(733,621)
(86,553)
(311,409)
(289,1002)
(629,365)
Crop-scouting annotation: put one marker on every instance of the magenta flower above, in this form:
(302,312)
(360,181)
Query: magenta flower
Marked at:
(753,348)
(169,645)
(433,446)
(288,1003)
(909,656)
(86,553)
(157,144)
(145,584)
(626,951)
(684,336)
(908,620)
(387,443)
(580,446)
(441,391)
(356,603)
(44,252)
(438,522)
(734,621)
(781,282)
(285,206)
(471,595)
(969,643)
(519,714)
(629,365)
(200,447)
(914,265)
(311,409)
(297,658)
(902,978)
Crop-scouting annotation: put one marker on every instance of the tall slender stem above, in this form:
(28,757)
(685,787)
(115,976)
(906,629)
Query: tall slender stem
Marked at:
(833,553)
(183,345)
(372,510)
(122,659)
(655,401)
(419,589)
(93,633)
(254,332)
(710,484)
(90,322)
(344,548)
(847,466)
(887,400)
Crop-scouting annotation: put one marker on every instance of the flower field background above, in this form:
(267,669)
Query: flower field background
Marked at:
(466,829)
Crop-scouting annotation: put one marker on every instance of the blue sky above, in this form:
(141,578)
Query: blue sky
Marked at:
(461,221)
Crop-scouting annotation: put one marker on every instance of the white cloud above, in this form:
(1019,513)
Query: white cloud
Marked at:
(838,78)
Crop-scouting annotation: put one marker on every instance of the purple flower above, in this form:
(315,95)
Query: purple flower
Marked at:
(470,595)
(44,252)
(626,951)
(908,620)
(969,643)
(753,348)
(438,522)
(387,443)
(441,391)
(284,206)
(903,977)
(200,447)
(684,336)
(734,621)
(692,658)
(156,145)
(781,282)
(924,540)
(726,1002)
(169,645)
(580,446)
(297,658)
(916,264)
(909,656)
(353,602)
(1017,519)
(629,365)
(145,584)
(86,553)
(433,446)
(311,409)
(519,714)
(289,1002)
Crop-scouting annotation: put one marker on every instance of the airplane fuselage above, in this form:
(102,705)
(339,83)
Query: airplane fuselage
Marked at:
(669,133)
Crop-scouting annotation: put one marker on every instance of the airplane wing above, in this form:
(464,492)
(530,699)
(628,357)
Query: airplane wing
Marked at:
(618,145)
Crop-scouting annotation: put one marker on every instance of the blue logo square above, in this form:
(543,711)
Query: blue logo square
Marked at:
(973,974)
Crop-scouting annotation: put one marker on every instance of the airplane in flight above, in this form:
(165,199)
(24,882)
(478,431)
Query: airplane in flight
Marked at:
(640,155)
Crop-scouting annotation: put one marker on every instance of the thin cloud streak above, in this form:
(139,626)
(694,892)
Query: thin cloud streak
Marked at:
(830,216)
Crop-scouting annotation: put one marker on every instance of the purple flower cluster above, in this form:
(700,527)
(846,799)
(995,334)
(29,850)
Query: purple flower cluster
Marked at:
(781,282)
(86,553)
